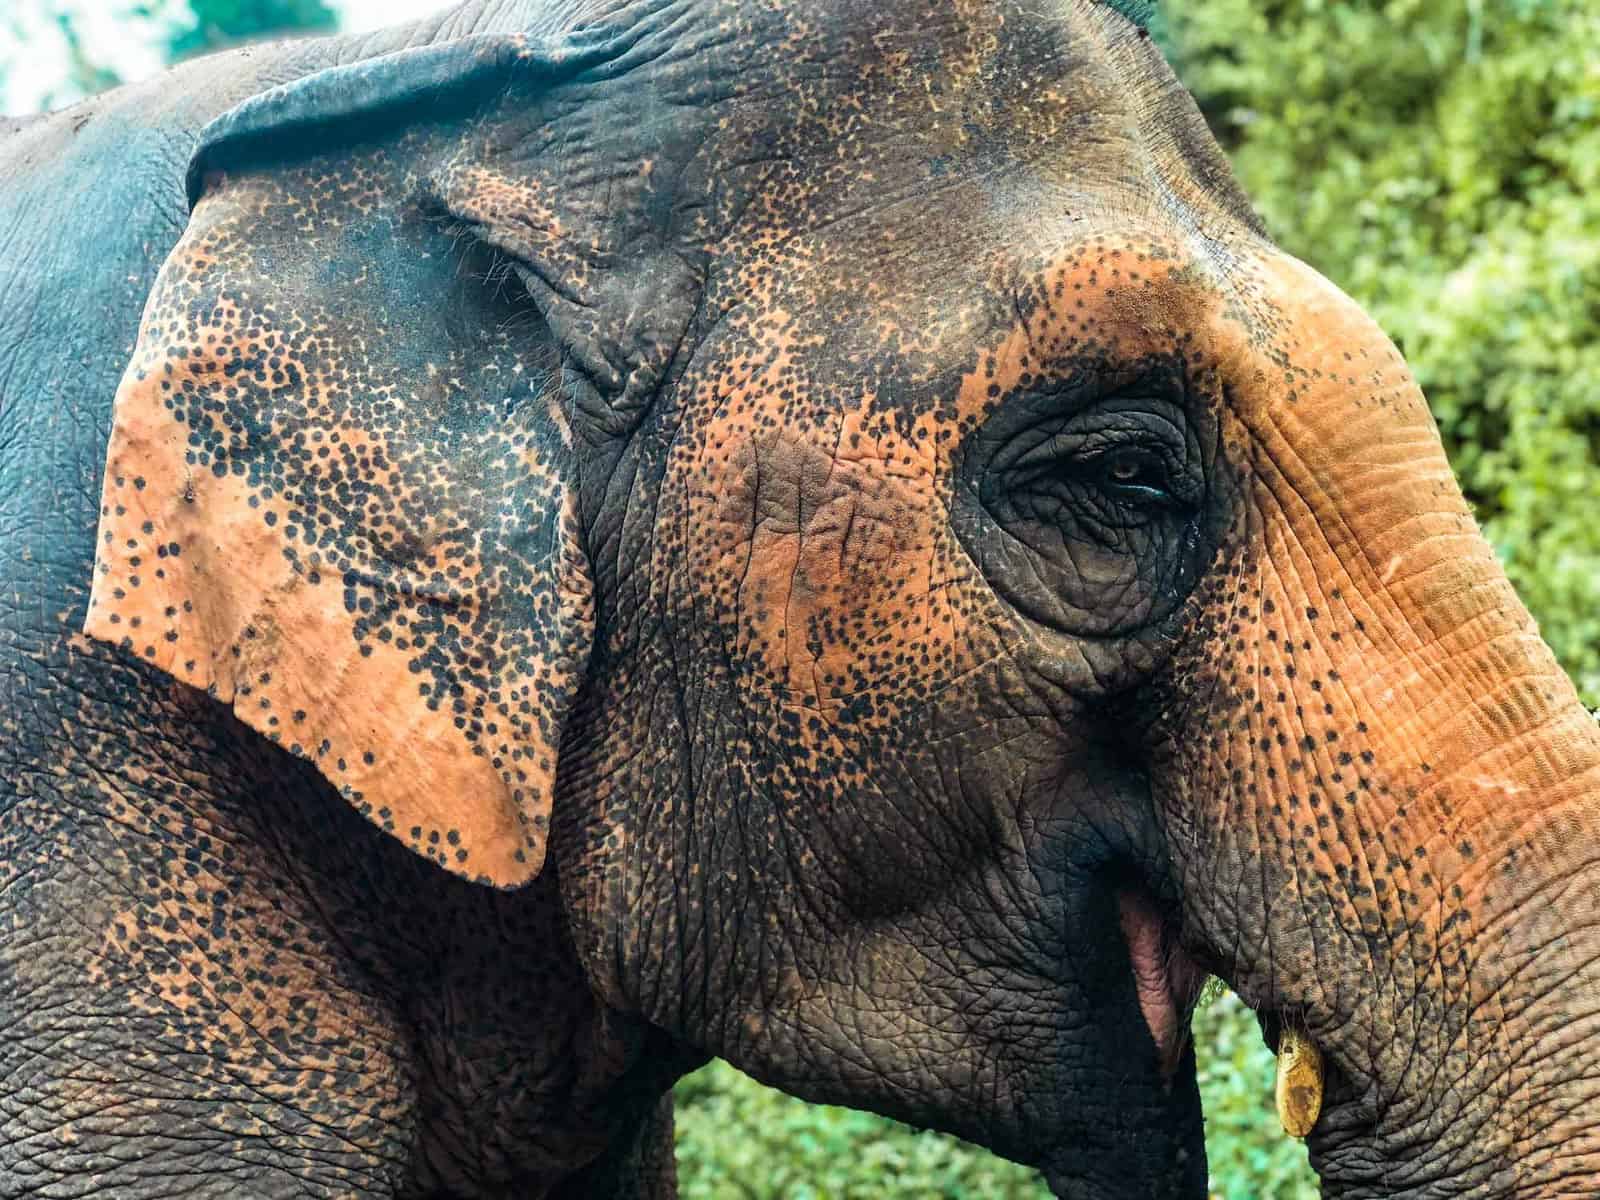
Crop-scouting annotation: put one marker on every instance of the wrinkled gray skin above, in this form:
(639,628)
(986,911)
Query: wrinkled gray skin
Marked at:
(847,644)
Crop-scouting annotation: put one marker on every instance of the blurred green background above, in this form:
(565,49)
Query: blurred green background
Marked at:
(1440,160)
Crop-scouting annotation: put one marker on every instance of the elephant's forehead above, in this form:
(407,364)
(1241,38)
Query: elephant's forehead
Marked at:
(841,110)
(945,324)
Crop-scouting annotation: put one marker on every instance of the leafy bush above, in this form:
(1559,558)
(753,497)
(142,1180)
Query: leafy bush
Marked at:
(1250,1156)
(740,1141)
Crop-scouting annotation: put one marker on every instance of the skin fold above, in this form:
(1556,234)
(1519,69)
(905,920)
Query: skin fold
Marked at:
(819,534)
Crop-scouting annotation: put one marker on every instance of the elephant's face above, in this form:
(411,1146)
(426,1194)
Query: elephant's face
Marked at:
(932,575)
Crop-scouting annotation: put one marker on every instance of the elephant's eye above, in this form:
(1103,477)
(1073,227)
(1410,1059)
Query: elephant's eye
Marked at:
(1134,474)
(1091,516)
(1106,469)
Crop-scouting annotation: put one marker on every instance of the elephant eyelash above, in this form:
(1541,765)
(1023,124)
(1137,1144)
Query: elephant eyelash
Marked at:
(502,270)
(525,315)
(494,269)
(497,273)
(468,250)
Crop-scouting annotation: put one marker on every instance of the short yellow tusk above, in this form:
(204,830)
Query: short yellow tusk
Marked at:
(1299,1091)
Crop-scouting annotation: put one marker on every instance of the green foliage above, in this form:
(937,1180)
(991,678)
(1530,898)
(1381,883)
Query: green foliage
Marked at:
(1140,12)
(22,26)
(175,28)
(216,23)
(85,76)
(1250,1156)
(740,1141)
(1438,159)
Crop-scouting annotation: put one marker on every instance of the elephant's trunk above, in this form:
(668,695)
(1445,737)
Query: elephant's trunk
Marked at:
(1470,1036)
(1385,795)
(1469,1033)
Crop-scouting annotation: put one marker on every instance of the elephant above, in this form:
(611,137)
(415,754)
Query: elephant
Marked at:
(820,534)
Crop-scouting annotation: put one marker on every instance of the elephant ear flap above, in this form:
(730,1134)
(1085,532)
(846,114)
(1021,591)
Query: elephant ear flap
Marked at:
(426,669)
(377,563)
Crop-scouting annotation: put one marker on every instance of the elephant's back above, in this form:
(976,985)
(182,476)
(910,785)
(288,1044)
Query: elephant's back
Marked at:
(91,201)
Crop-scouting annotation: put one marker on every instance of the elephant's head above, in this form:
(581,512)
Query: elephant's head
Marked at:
(853,488)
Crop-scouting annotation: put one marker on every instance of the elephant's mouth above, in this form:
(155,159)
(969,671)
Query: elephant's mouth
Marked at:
(1147,1139)
(1167,979)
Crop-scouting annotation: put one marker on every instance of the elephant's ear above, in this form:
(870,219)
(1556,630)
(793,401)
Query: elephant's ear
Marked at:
(336,494)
